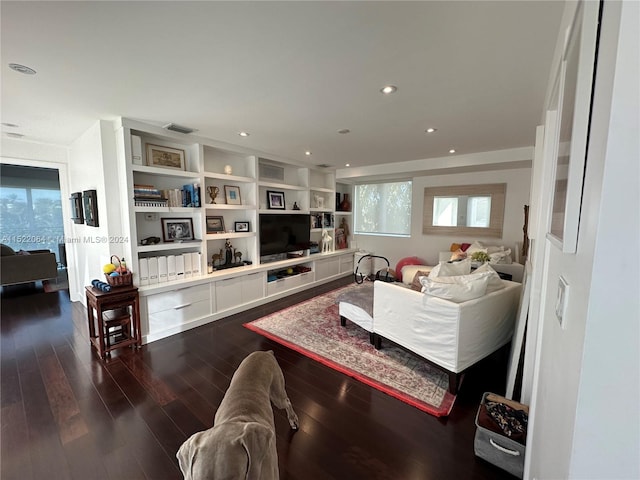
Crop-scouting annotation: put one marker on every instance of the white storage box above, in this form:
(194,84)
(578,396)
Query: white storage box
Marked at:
(497,448)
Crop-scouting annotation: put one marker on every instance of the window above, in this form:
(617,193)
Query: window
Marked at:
(383,209)
(470,210)
(30,208)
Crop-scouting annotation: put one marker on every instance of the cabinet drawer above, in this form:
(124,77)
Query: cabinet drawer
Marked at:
(177,298)
(306,277)
(253,287)
(327,268)
(228,293)
(180,314)
(346,264)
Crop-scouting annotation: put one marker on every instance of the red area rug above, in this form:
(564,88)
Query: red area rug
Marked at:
(313,329)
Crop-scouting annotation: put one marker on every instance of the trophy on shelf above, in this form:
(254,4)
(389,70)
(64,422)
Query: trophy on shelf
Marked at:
(213,193)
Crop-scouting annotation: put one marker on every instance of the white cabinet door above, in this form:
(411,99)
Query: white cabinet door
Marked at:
(253,287)
(327,268)
(346,263)
(228,293)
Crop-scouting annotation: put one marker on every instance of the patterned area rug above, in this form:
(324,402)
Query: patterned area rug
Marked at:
(313,329)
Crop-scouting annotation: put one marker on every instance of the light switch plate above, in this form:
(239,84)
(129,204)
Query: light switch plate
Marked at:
(151,217)
(561,301)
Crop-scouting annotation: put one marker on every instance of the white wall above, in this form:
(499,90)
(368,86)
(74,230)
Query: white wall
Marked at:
(90,248)
(585,421)
(427,247)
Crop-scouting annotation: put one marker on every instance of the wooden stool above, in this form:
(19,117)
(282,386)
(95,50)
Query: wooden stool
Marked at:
(113,315)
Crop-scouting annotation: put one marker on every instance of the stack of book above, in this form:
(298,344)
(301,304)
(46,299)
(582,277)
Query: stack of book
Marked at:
(148,196)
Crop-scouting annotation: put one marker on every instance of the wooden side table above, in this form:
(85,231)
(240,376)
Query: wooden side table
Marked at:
(118,309)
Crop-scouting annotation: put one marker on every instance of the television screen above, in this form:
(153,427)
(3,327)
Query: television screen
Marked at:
(282,233)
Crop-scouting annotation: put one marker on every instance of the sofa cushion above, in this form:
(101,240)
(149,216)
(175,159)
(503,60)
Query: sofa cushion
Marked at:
(417,284)
(409,272)
(6,250)
(495,282)
(446,269)
(459,288)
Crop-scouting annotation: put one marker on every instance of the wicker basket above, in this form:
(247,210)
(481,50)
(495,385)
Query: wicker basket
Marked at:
(122,280)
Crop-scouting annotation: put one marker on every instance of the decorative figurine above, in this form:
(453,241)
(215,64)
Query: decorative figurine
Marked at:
(228,170)
(228,259)
(326,241)
(213,193)
(295,206)
(216,257)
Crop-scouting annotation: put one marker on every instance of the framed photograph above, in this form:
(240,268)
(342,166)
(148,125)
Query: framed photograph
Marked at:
(232,195)
(177,229)
(215,224)
(165,157)
(90,202)
(241,226)
(76,207)
(275,200)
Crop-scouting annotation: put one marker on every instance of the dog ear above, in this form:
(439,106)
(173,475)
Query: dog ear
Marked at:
(256,440)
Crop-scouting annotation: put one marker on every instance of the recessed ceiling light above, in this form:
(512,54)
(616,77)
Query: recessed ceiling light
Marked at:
(452,151)
(431,130)
(10,125)
(22,69)
(307,153)
(344,131)
(243,134)
(387,89)
(347,164)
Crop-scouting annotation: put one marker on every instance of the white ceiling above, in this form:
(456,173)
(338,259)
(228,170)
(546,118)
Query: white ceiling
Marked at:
(290,73)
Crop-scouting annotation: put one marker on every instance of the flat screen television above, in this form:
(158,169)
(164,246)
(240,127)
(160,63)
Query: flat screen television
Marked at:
(284,232)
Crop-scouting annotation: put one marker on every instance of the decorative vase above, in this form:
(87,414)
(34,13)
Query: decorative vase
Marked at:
(228,170)
(345,205)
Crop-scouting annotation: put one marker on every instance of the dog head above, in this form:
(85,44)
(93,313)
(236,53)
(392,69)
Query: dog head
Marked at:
(232,450)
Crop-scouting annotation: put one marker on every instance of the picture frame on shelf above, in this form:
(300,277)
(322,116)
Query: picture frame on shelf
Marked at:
(76,207)
(177,229)
(242,226)
(275,200)
(90,204)
(165,157)
(215,224)
(232,195)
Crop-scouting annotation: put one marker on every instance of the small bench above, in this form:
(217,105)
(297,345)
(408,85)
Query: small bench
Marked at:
(357,306)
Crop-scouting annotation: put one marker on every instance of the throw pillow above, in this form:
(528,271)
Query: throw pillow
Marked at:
(446,269)
(417,284)
(456,288)
(6,250)
(495,282)
(409,272)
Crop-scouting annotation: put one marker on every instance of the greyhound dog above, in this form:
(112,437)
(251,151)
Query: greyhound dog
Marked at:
(242,442)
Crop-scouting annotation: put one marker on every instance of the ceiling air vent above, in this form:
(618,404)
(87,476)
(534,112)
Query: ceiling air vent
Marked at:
(324,165)
(179,128)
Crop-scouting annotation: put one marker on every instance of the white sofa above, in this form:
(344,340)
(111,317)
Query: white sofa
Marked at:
(453,336)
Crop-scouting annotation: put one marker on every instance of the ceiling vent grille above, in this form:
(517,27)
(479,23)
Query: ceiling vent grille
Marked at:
(324,165)
(179,128)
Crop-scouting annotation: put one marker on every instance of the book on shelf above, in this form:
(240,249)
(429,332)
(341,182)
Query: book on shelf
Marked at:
(191,195)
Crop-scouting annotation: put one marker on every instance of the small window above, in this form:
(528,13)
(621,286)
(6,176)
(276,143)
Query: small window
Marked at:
(469,210)
(383,209)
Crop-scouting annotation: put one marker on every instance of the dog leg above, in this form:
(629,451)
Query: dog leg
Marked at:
(279,396)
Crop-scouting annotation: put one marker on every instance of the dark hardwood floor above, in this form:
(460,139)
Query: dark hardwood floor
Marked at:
(67,414)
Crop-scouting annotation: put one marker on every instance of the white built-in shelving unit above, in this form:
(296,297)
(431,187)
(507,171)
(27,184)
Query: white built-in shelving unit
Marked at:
(173,306)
